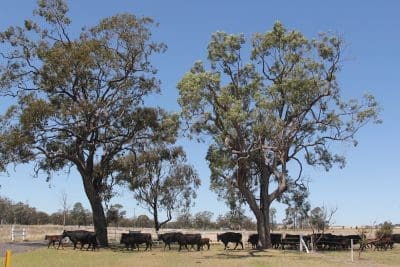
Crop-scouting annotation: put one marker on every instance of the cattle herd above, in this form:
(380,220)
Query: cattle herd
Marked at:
(133,239)
(328,241)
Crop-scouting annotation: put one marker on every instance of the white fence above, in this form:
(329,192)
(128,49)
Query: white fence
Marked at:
(17,233)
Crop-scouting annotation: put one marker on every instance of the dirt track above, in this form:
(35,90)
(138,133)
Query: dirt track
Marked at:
(19,247)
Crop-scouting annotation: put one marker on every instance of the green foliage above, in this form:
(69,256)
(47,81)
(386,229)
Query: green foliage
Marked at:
(385,230)
(79,101)
(115,214)
(79,215)
(276,106)
(202,220)
(317,219)
(160,179)
(298,207)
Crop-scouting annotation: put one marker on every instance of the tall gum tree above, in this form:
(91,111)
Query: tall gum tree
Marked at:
(79,101)
(271,112)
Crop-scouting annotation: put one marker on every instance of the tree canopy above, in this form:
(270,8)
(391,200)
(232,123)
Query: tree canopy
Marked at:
(79,100)
(161,180)
(270,110)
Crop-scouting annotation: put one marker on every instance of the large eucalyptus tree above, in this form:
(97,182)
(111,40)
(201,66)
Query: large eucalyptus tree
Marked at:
(270,111)
(79,98)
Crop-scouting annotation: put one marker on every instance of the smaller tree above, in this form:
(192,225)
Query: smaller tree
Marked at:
(223,222)
(202,219)
(115,214)
(161,180)
(385,230)
(42,218)
(184,219)
(79,214)
(64,206)
(143,221)
(298,206)
(6,211)
(320,218)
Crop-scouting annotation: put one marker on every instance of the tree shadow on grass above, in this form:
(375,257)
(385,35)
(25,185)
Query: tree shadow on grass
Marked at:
(122,249)
(239,254)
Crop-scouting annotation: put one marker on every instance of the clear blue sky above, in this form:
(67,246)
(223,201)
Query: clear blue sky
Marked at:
(364,192)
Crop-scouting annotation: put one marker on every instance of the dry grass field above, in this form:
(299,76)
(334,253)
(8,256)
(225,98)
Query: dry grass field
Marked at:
(118,256)
(216,256)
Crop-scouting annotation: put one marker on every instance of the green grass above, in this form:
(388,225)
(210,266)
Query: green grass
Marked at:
(215,257)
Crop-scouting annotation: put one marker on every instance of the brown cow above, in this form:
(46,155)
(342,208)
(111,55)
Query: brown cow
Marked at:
(53,239)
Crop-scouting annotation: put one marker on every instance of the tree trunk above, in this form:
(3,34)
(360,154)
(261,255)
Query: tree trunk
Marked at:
(155,217)
(99,218)
(267,223)
(261,212)
(262,236)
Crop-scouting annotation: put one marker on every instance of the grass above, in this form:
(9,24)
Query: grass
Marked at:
(215,257)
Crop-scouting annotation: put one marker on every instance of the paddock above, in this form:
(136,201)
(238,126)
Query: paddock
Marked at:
(117,256)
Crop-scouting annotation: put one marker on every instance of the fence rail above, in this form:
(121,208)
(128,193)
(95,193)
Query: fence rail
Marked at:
(17,233)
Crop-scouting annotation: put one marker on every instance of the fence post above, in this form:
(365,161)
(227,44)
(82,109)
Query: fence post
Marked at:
(7,262)
(312,243)
(12,233)
(301,243)
(23,234)
(352,252)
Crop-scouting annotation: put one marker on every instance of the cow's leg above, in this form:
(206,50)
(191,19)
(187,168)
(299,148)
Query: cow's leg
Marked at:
(237,243)
(48,245)
(226,244)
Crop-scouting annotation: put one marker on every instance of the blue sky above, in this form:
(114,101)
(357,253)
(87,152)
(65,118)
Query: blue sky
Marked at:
(366,191)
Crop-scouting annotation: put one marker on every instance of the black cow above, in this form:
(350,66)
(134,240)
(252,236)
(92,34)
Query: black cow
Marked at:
(230,237)
(396,238)
(189,239)
(205,242)
(135,239)
(275,240)
(169,238)
(83,237)
(253,240)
